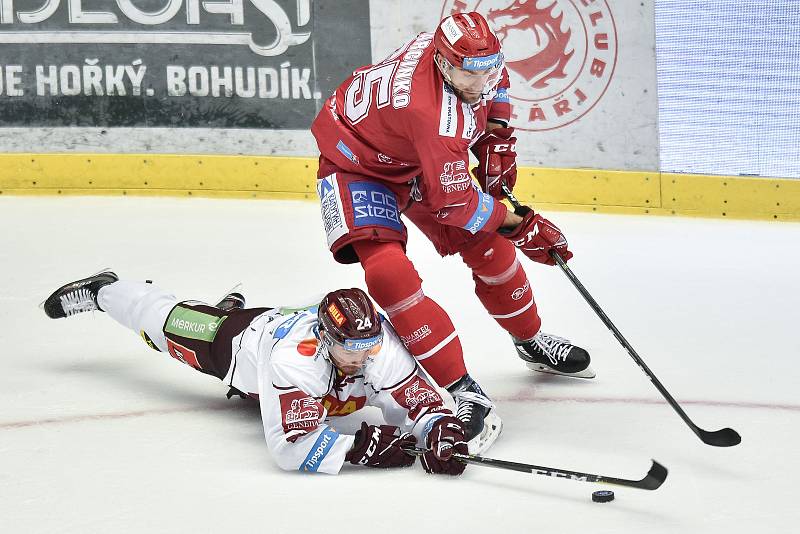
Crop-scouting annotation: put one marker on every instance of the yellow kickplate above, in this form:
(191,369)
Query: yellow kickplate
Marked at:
(271,177)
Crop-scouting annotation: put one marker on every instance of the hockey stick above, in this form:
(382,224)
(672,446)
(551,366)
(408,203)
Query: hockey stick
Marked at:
(726,437)
(651,481)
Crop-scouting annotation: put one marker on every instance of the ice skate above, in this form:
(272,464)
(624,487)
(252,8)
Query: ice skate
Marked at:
(77,297)
(554,355)
(475,410)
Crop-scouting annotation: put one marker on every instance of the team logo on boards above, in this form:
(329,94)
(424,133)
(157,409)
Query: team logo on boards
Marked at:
(560,55)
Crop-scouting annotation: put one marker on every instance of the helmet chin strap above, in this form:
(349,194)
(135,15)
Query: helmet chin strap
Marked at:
(438,59)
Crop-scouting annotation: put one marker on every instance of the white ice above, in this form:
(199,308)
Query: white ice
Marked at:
(98,433)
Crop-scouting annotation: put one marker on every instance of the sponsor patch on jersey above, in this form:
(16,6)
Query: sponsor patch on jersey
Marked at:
(308,347)
(301,414)
(482,213)
(455,177)
(344,149)
(183,354)
(501,95)
(284,328)
(331,209)
(319,450)
(337,407)
(470,123)
(192,324)
(415,395)
(374,205)
(448,115)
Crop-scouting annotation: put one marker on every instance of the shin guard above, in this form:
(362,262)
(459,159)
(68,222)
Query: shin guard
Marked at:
(424,327)
(503,287)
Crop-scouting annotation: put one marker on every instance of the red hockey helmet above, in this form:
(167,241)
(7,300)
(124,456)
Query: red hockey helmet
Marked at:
(469,55)
(350,327)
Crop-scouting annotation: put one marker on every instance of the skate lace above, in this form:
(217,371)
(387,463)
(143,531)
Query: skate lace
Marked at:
(77,301)
(555,348)
(465,402)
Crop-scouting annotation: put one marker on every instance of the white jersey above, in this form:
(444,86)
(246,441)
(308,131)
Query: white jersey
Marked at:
(280,360)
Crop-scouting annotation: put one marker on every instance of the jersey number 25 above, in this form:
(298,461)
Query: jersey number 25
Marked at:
(358,98)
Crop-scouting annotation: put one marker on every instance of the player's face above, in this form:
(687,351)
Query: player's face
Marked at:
(350,362)
(469,85)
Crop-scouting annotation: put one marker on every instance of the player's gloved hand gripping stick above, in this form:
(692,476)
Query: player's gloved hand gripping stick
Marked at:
(445,442)
(535,236)
(726,437)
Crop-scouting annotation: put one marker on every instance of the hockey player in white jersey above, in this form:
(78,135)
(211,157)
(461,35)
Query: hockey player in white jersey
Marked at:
(304,367)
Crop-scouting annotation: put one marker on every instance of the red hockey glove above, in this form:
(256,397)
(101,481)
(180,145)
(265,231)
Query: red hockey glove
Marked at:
(381,446)
(497,160)
(535,236)
(445,437)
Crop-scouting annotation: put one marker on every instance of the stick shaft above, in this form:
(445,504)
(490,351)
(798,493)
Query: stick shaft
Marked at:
(722,438)
(654,478)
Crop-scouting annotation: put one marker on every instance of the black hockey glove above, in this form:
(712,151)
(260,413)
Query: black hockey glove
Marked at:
(381,446)
(445,438)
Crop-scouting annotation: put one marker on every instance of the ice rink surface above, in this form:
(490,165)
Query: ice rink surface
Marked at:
(98,433)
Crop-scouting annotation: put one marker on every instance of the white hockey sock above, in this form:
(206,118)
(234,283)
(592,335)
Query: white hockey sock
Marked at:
(138,306)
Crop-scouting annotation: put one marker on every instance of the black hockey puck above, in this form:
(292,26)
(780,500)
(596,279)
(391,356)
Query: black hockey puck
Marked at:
(603,496)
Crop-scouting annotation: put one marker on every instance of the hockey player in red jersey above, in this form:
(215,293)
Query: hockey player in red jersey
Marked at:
(303,366)
(394,139)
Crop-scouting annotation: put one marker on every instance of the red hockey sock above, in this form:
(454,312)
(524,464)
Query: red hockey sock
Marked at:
(503,287)
(424,327)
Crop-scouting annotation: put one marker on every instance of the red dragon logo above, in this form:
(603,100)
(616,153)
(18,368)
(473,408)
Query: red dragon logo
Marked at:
(560,55)
(551,56)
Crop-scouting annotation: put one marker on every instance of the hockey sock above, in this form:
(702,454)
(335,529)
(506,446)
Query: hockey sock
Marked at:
(139,306)
(503,287)
(423,325)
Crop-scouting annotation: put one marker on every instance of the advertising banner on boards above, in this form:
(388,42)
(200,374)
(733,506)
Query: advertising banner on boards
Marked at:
(176,63)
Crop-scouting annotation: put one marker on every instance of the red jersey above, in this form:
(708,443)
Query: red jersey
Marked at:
(397,121)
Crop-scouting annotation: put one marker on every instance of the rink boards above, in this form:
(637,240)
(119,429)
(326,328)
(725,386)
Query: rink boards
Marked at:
(604,191)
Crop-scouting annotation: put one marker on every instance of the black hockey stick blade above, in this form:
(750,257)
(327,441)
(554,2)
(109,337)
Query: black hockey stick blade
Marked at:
(652,481)
(726,437)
